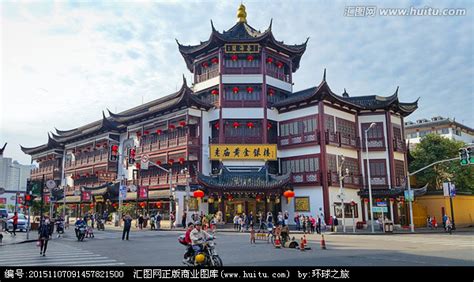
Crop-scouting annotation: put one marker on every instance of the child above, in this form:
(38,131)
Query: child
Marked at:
(252,235)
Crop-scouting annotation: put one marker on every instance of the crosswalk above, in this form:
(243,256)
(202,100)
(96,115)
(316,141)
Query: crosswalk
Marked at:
(100,235)
(56,255)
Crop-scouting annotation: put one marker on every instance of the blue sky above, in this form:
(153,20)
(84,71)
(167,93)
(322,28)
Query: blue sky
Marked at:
(62,63)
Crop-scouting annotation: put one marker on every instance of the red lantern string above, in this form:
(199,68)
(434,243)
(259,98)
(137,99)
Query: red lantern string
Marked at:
(269,125)
(236,124)
(158,131)
(234,58)
(171,126)
(170,161)
(235,90)
(158,162)
(271,92)
(279,65)
(249,89)
(250,124)
(216,125)
(181,160)
(269,60)
(214,60)
(249,58)
(182,123)
(205,64)
(215,92)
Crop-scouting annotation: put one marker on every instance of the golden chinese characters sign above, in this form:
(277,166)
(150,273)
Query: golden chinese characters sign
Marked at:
(242,48)
(244,152)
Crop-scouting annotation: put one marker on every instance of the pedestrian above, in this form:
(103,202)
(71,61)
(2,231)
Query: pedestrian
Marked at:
(280,219)
(269,220)
(262,222)
(286,216)
(331,223)
(445,217)
(250,220)
(152,222)
(434,223)
(313,224)
(14,218)
(242,223)
(158,221)
(184,219)
(127,224)
(92,220)
(43,236)
(145,221)
(252,235)
(172,219)
(236,222)
(449,226)
(428,222)
(318,225)
(140,221)
(297,221)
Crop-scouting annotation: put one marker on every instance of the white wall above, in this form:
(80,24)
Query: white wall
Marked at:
(341,151)
(350,194)
(298,113)
(315,194)
(310,150)
(242,113)
(242,78)
(279,84)
(206,84)
(337,113)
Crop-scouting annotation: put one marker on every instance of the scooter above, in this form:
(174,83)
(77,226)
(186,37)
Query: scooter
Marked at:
(100,224)
(60,227)
(80,232)
(207,257)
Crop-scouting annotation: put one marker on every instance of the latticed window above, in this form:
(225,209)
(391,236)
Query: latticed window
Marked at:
(399,169)
(298,127)
(243,129)
(352,165)
(332,162)
(329,123)
(310,164)
(346,127)
(241,93)
(397,133)
(376,132)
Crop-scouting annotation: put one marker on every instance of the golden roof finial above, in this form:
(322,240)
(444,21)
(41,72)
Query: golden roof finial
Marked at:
(241,14)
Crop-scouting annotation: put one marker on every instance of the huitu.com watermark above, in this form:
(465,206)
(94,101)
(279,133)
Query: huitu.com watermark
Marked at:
(372,11)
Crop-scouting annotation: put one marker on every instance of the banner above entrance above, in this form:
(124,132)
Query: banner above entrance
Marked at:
(244,152)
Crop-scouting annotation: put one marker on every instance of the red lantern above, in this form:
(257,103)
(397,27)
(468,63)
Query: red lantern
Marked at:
(279,65)
(235,90)
(249,58)
(171,161)
(288,195)
(230,197)
(142,205)
(269,126)
(181,160)
(216,125)
(198,194)
(249,89)
(158,162)
(234,58)
(182,123)
(250,124)
(236,124)
(215,60)
(82,205)
(115,205)
(215,92)
(205,64)
(392,200)
(171,126)
(271,92)
(159,131)
(146,132)
(366,200)
(258,198)
(91,206)
(269,60)
(158,205)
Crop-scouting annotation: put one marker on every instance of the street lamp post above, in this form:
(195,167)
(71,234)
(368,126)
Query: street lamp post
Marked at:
(368,177)
(353,218)
(341,191)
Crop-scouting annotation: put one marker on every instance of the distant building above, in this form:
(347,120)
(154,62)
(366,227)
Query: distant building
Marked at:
(445,127)
(13,176)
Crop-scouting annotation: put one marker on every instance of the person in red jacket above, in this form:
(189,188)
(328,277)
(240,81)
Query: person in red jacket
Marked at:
(15,222)
(187,238)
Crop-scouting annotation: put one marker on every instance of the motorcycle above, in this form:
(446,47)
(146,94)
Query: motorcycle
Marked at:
(100,224)
(207,257)
(80,232)
(60,227)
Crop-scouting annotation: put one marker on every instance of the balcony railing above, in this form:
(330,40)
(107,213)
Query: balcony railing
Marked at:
(399,145)
(242,70)
(279,75)
(306,177)
(156,180)
(349,180)
(243,140)
(375,143)
(342,139)
(168,143)
(308,137)
(378,180)
(207,75)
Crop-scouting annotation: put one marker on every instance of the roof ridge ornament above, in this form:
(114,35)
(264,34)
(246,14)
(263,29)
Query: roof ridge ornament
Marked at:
(241,14)
(324,75)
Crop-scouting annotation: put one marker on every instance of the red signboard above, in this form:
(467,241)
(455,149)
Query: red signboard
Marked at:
(3,200)
(86,196)
(143,192)
(46,199)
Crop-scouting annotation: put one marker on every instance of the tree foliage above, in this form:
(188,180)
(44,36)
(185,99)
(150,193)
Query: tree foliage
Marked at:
(434,148)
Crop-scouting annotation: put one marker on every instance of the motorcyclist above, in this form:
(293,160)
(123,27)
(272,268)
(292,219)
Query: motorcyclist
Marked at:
(187,238)
(198,237)
(79,223)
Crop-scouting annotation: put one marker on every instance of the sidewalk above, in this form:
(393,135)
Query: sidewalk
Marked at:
(19,238)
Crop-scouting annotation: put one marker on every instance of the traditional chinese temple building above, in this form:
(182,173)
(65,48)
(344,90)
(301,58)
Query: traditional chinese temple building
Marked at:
(242,136)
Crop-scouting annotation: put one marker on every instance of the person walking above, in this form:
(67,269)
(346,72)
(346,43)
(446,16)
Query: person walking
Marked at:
(236,222)
(297,221)
(43,236)
(184,219)
(127,220)
(172,219)
(152,222)
(158,221)
(318,225)
(14,218)
(140,221)
(445,217)
(286,216)
(449,226)
(313,224)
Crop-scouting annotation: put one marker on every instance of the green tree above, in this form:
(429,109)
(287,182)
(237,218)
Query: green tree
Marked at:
(434,148)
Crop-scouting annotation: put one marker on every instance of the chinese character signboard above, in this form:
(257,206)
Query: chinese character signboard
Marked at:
(86,196)
(142,192)
(244,152)
(242,48)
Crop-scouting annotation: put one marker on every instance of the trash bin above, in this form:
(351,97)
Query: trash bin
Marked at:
(388,227)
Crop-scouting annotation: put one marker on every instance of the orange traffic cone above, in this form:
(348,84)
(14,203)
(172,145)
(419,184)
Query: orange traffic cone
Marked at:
(323,243)
(277,242)
(302,244)
(306,247)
